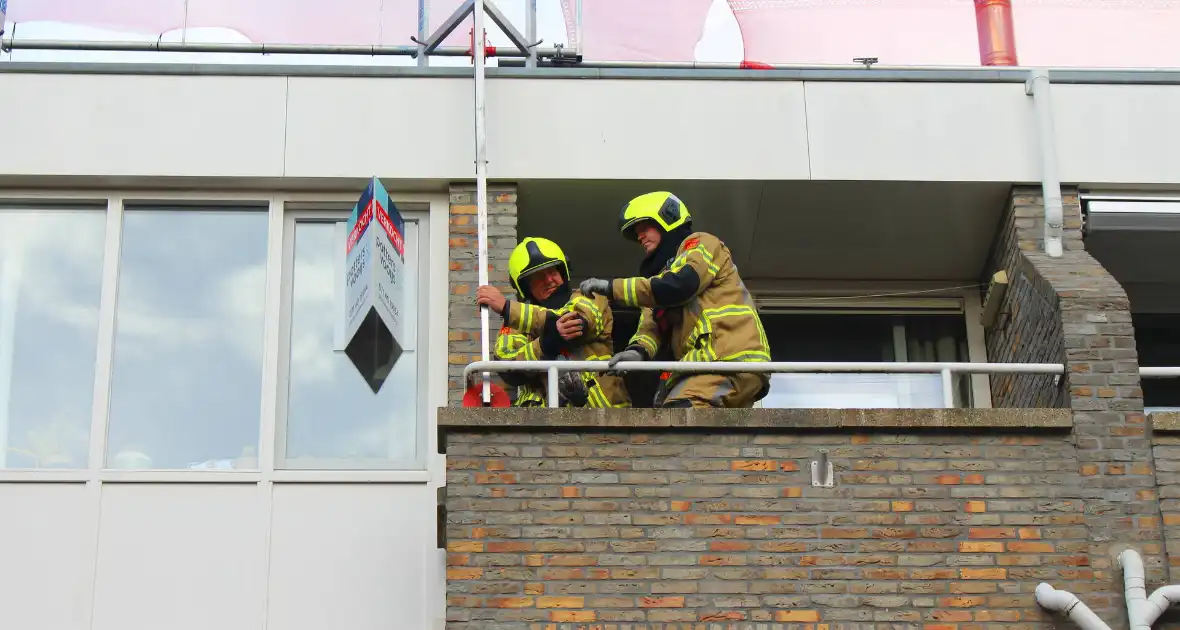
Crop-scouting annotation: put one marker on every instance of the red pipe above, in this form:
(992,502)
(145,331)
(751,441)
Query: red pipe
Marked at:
(997,36)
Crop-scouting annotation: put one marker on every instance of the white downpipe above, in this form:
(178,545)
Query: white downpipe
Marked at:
(1065,602)
(1135,589)
(1038,87)
(1141,609)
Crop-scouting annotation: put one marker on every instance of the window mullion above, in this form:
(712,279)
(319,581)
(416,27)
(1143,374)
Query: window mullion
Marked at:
(272,341)
(100,416)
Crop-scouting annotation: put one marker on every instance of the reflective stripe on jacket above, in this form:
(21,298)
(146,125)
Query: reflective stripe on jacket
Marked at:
(698,305)
(520,340)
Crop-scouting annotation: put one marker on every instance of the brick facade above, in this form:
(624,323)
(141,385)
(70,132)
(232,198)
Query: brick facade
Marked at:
(563,519)
(463,336)
(623,525)
(1069,309)
(1166,454)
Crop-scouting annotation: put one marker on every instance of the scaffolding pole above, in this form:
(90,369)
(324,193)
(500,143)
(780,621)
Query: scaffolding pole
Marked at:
(8,43)
(481,186)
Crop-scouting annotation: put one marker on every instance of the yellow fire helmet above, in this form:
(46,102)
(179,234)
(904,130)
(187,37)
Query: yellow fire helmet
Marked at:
(666,209)
(534,254)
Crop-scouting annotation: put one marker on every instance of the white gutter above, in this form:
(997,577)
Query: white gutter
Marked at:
(1052,599)
(1038,87)
(1141,609)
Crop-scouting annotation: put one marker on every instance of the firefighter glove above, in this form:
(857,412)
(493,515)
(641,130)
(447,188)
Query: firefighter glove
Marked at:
(592,286)
(572,388)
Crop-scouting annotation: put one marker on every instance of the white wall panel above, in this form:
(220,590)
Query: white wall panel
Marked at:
(180,557)
(46,559)
(142,125)
(350,556)
(392,128)
(417,128)
(1118,134)
(633,129)
(922,131)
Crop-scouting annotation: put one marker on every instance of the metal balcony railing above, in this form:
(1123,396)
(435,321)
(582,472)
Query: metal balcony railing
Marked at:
(946,370)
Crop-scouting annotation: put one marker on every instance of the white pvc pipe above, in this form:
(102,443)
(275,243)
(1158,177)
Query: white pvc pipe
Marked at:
(1142,611)
(1038,87)
(1159,372)
(1067,603)
(1135,589)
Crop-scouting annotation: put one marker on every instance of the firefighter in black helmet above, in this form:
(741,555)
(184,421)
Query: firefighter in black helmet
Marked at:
(549,321)
(693,303)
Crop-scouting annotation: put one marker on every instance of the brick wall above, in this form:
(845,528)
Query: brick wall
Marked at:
(1070,309)
(1166,454)
(464,342)
(562,527)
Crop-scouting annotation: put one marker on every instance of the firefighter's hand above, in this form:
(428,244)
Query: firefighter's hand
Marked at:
(570,326)
(491,297)
(591,286)
(630,354)
(572,388)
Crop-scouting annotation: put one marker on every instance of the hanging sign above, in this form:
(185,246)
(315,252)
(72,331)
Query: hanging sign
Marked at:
(374,267)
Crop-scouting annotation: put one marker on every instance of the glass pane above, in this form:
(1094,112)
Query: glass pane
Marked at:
(854,391)
(333,419)
(50,285)
(187,379)
(865,338)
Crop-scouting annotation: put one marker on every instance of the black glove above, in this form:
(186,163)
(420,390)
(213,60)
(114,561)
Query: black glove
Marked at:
(573,389)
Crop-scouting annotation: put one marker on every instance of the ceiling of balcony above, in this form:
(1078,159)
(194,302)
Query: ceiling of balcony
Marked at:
(799,230)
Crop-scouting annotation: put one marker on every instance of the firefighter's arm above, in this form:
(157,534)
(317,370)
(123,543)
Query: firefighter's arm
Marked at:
(690,273)
(512,345)
(592,315)
(527,318)
(647,334)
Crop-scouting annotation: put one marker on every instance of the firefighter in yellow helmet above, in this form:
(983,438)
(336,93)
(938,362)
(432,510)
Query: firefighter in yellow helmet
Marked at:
(550,321)
(694,306)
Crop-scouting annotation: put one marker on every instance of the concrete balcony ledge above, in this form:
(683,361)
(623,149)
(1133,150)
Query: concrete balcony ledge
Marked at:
(467,420)
(1166,422)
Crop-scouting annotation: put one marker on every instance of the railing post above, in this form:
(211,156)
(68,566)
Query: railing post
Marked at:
(553,374)
(948,389)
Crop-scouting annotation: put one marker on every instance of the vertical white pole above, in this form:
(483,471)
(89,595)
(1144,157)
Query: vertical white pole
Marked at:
(481,187)
(552,393)
(10,281)
(530,32)
(578,25)
(948,389)
(423,32)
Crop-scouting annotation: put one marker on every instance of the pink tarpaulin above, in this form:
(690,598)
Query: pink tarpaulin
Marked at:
(1101,33)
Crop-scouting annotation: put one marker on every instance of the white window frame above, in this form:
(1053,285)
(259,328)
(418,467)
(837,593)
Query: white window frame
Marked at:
(431,338)
(962,299)
(420,220)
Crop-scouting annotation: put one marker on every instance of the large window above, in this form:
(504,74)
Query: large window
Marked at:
(187,373)
(1157,337)
(51,261)
(332,419)
(176,337)
(865,338)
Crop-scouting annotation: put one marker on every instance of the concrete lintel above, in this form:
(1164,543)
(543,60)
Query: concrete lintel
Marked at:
(458,419)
